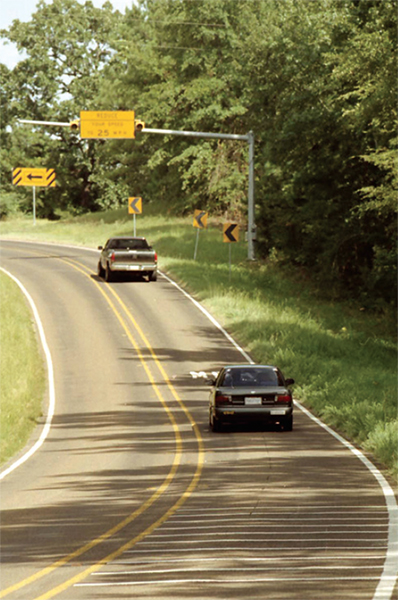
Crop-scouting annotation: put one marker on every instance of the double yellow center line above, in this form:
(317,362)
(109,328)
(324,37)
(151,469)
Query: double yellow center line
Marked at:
(127,322)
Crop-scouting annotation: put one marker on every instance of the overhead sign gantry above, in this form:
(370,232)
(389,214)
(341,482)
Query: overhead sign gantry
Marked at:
(131,125)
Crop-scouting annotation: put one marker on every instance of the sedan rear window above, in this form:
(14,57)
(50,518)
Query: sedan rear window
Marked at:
(252,377)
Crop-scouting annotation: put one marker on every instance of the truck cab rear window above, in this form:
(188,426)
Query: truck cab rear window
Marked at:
(127,244)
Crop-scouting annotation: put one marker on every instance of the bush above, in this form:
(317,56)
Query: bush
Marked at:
(9,204)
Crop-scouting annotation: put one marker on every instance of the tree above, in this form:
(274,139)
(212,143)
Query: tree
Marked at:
(364,73)
(67,46)
(175,67)
(326,114)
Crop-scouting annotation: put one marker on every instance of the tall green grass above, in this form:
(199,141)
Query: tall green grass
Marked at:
(343,358)
(21,370)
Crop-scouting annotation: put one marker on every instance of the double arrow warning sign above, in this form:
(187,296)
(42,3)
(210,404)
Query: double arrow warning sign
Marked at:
(34,177)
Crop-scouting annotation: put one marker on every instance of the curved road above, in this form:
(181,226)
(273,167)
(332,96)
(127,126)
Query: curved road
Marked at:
(131,495)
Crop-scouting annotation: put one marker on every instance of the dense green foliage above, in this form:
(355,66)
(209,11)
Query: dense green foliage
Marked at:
(314,79)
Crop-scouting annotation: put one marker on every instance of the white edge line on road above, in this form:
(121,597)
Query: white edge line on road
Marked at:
(51,387)
(388,578)
(254,559)
(214,581)
(249,569)
(210,317)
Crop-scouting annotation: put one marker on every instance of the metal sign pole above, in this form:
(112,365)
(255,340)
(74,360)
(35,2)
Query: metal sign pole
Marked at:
(227,136)
(196,243)
(251,228)
(134,226)
(34,205)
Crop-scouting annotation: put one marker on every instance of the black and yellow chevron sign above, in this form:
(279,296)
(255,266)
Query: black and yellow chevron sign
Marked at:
(135,205)
(34,177)
(230,232)
(200,219)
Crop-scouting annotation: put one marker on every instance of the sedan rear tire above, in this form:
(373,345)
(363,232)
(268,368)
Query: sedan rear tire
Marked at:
(287,423)
(214,424)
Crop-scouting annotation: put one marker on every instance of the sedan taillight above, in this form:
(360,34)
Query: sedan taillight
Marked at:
(221,399)
(283,399)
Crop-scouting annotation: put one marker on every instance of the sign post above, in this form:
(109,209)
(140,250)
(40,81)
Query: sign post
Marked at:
(34,205)
(200,222)
(230,235)
(135,208)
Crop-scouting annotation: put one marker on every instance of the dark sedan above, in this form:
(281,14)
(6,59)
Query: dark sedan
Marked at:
(243,393)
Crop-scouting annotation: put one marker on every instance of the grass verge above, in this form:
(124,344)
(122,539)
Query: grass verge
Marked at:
(22,373)
(343,358)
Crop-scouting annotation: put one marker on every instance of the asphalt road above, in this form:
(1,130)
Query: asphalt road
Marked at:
(131,495)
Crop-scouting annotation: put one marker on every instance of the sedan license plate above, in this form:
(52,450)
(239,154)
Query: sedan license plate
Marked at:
(278,411)
(253,401)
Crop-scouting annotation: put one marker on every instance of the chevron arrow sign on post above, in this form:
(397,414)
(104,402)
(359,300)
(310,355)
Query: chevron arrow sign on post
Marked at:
(200,219)
(200,222)
(135,205)
(34,177)
(231,232)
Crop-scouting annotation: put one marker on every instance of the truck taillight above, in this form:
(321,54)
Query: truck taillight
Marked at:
(221,399)
(113,257)
(283,399)
(156,257)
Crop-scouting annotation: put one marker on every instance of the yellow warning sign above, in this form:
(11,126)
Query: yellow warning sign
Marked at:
(107,124)
(135,205)
(34,177)
(200,219)
(230,232)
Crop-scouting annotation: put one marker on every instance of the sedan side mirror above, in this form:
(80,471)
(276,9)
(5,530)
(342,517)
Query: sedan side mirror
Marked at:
(210,381)
(100,248)
(289,381)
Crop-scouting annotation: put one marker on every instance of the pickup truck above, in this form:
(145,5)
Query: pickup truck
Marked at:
(129,255)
